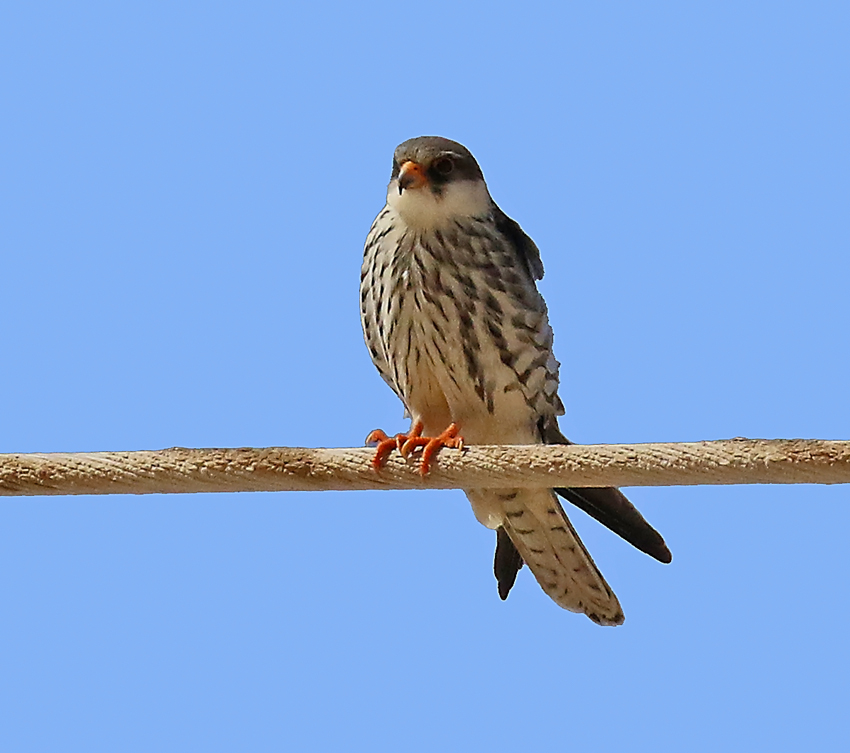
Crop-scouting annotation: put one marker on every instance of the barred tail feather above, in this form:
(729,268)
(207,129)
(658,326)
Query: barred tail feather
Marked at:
(547,542)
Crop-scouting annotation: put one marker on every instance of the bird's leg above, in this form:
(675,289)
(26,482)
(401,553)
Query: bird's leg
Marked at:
(408,443)
(385,444)
(430,445)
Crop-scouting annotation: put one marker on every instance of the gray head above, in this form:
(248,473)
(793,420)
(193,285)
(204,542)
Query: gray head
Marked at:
(434,161)
(435,179)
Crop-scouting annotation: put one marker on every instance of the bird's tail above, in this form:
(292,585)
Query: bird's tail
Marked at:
(610,506)
(535,529)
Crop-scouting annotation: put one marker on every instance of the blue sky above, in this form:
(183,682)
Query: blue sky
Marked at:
(184,193)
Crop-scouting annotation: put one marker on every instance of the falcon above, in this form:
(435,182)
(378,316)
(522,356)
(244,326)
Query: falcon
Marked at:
(455,324)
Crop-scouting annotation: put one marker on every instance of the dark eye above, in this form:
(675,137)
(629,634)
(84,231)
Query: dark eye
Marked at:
(444,165)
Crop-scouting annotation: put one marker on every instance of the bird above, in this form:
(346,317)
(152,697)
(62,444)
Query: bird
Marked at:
(455,324)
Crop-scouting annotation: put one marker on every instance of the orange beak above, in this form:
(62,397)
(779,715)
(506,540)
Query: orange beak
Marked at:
(411,175)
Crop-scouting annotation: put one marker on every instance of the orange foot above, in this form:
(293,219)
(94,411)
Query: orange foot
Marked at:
(407,443)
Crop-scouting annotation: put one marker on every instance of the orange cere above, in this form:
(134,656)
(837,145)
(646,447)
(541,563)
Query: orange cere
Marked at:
(411,175)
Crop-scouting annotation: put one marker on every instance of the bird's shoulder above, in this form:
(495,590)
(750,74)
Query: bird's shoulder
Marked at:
(526,248)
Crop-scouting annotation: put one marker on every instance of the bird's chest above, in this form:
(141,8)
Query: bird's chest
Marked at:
(452,338)
(432,332)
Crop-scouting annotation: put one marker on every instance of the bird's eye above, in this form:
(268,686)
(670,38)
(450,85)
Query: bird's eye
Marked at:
(444,165)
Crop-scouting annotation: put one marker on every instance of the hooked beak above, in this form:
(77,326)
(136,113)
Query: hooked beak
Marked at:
(411,175)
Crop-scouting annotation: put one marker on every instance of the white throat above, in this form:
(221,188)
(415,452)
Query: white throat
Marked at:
(422,208)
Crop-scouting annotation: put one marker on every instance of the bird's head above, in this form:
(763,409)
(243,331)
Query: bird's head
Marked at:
(435,180)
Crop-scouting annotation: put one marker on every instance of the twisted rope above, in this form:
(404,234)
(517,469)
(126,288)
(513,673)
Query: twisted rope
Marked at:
(180,471)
